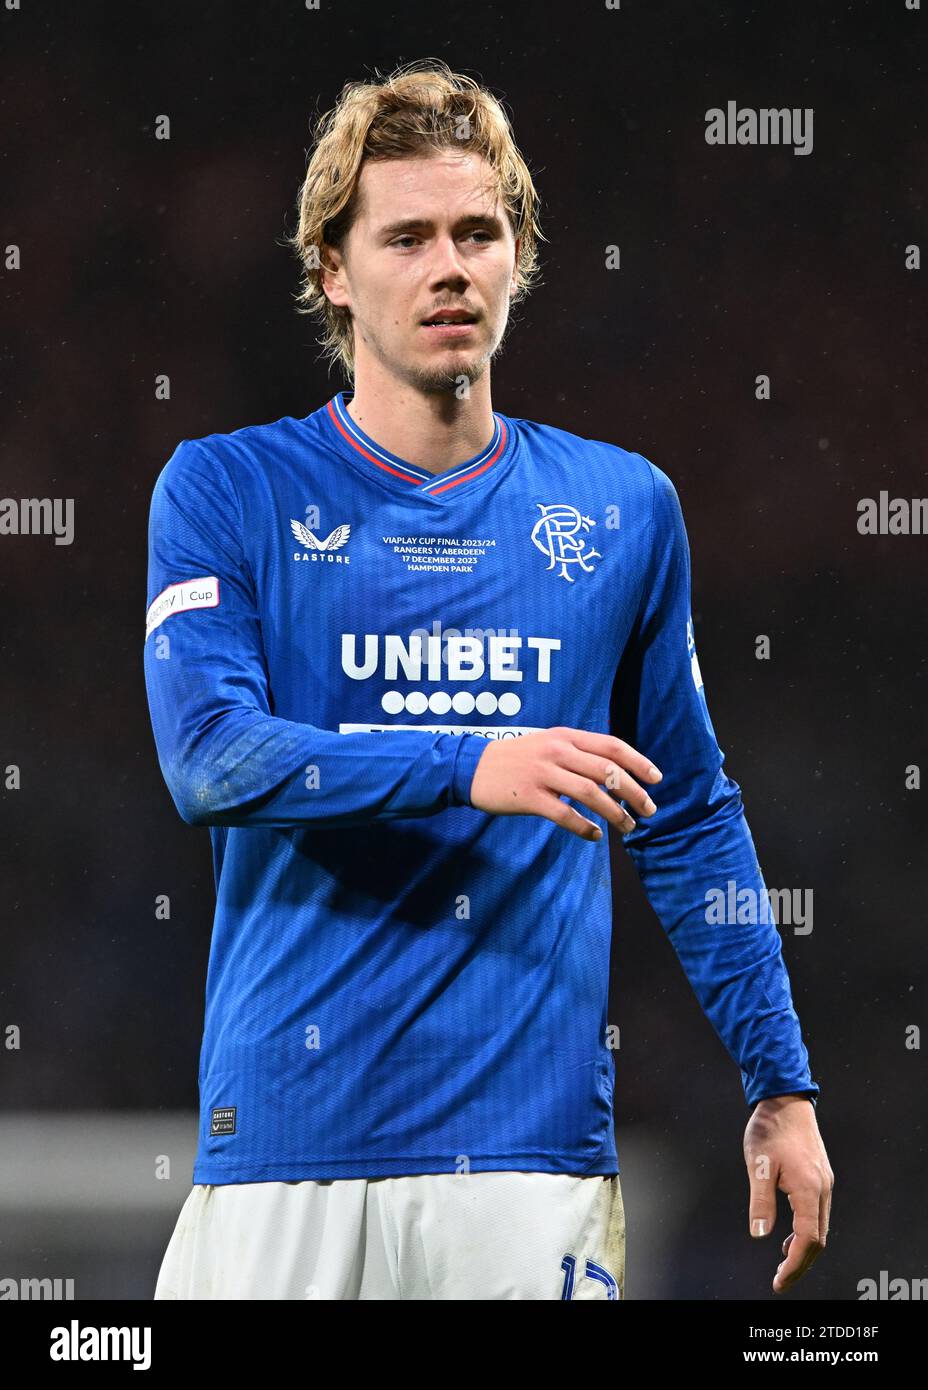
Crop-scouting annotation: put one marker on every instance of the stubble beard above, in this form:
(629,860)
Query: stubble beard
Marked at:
(444,378)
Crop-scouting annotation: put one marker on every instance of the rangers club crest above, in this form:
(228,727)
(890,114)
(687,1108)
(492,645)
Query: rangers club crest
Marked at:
(558,533)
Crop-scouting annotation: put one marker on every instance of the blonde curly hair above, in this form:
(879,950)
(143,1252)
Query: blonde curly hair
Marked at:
(420,108)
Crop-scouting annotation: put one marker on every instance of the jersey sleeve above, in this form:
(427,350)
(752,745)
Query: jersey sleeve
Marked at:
(698,844)
(226,758)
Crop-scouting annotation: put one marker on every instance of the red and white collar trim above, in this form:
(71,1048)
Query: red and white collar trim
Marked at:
(348,430)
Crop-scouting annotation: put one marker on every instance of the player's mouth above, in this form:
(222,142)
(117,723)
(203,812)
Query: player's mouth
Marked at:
(452,323)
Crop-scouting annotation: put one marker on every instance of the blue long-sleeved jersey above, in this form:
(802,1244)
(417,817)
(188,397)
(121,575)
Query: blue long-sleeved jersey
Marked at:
(398,982)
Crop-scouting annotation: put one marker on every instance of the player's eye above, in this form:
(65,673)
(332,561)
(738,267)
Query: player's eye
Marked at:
(408,237)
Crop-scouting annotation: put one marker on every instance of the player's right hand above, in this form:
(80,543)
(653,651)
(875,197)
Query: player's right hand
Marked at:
(527,776)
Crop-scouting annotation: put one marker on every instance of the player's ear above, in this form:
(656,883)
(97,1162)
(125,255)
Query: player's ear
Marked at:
(514,282)
(332,275)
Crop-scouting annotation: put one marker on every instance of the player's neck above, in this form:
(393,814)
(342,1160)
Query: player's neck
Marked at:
(434,431)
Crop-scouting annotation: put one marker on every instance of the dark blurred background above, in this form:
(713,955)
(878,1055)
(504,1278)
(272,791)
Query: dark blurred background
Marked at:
(142,256)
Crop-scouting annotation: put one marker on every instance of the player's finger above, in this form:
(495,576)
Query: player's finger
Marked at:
(620,785)
(824,1207)
(617,751)
(553,809)
(762,1207)
(806,1245)
(589,794)
(802,1255)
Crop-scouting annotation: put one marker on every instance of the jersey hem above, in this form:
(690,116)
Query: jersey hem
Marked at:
(216,1174)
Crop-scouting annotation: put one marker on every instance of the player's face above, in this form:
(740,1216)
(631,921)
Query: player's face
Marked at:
(431,235)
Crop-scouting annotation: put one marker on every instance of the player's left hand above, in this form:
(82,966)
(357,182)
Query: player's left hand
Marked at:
(783,1150)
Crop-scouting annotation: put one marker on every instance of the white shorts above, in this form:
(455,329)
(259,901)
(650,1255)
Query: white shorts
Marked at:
(499,1235)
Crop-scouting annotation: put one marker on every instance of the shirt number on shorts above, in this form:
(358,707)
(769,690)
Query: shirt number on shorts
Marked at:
(593,1271)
